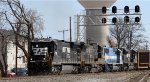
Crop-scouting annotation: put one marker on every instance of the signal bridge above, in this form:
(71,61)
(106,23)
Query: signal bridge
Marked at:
(105,17)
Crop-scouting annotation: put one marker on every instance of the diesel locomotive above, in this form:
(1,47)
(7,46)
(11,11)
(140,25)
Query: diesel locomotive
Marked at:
(51,56)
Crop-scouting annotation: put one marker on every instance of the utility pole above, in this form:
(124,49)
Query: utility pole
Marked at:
(70,31)
(63,31)
(130,45)
(16,39)
(16,49)
(146,46)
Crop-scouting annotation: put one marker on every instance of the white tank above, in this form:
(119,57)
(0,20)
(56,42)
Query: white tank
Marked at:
(96,34)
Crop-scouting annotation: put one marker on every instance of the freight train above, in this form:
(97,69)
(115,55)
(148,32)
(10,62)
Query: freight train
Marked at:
(53,56)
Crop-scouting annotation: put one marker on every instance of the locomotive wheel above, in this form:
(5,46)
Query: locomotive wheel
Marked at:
(126,68)
(85,69)
(75,70)
(88,69)
(103,68)
(99,68)
(58,69)
(110,68)
(107,68)
(120,68)
(54,70)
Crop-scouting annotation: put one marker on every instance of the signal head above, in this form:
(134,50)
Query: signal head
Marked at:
(126,9)
(104,10)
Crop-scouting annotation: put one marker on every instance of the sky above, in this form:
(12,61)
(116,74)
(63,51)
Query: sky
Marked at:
(56,13)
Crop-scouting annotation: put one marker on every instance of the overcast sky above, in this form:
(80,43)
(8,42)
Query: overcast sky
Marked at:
(56,14)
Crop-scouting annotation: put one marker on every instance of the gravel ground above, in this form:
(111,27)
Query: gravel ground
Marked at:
(91,77)
(148,79)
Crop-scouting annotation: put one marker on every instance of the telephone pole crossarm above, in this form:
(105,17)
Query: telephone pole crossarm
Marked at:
(63,31)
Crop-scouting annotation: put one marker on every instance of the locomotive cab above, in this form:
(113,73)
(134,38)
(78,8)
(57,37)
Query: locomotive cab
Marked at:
(42,53)
(113,59)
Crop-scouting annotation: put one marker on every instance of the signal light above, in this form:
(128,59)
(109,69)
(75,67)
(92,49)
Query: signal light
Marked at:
(114,9)
(137,8)
(114,20)
(104,20)
(126,19)
(104,10)
(137,19)
(126,9)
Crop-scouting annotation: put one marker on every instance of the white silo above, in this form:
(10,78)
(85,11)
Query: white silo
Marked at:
(96,33)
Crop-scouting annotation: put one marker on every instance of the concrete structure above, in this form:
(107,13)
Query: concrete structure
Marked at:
(96,32)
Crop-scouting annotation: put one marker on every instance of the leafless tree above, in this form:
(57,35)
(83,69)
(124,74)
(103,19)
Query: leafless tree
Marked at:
(111,42)
(119,32)
(22,23)
(5,37)
(27,23)
(127,35)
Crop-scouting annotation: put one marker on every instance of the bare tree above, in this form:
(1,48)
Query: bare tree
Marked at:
(127,35)
(26,24)
(5,37)
(119,32)
(111,42)
(23,25)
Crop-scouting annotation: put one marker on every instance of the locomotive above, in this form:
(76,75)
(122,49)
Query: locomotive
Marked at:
(51,56)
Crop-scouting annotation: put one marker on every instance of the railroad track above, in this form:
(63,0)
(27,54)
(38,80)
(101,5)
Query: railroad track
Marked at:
(142,77)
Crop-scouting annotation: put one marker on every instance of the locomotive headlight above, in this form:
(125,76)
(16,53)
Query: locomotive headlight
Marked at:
(43,58)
